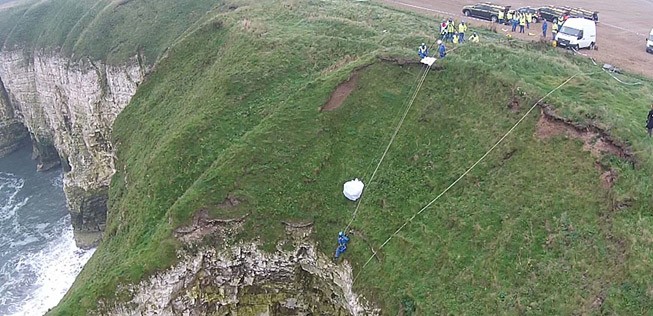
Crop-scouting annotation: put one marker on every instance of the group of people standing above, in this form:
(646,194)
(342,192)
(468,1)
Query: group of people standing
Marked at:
(524,19)
(452,33)
(515,19)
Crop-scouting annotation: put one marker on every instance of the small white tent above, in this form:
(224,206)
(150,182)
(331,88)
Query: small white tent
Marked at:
(353,189)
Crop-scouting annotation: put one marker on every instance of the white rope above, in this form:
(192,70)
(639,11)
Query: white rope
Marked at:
(621,81)
(392,139)
(410,104)
(614,77)
(464,173)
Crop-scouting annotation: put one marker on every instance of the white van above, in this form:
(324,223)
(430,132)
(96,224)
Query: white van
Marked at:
(577,33)
(649,43)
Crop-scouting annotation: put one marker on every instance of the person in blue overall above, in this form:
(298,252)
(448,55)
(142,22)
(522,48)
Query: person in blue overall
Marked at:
(442,50)
(423,51)
(343,240)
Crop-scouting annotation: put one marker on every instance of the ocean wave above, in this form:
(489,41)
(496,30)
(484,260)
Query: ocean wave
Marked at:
(50,271)
(10,186)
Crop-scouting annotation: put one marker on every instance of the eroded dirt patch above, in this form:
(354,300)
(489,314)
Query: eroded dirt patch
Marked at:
(203,225)
(595,140)
(341,93)
(344,89)
(298,231)
(401,61)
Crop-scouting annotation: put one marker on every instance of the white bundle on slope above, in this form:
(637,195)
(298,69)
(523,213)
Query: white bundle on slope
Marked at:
(353,189)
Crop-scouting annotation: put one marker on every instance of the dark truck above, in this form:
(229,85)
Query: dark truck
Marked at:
(582,13)
(485,10)
(553,13)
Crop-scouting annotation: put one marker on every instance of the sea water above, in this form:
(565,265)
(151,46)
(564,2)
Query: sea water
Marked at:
(38,257)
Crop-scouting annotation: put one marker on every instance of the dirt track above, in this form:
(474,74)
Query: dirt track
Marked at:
(623,27)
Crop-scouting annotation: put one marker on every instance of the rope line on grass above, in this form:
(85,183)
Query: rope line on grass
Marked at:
(410,104)
(398,118)
(464,173)
(613,76)
(621,81)
(392,139)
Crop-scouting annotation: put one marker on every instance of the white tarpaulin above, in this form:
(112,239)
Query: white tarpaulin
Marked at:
(353,189)
(428,61)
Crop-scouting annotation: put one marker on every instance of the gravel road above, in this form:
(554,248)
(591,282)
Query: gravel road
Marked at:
(621,33)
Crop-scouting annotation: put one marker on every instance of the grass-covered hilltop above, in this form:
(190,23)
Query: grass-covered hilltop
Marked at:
(556,220)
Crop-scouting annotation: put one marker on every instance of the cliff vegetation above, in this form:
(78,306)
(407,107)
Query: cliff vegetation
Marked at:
(108,30)
(556,221)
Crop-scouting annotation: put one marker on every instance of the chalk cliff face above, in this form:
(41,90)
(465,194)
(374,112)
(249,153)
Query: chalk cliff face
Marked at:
(69,109)
(222,278)
(12,132)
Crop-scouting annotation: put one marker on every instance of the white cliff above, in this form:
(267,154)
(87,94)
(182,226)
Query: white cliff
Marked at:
(221,278)
(12,131)
(69,109)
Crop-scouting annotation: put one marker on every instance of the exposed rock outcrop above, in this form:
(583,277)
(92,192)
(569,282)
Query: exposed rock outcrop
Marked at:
(12,132)
(69,109)
(242,279)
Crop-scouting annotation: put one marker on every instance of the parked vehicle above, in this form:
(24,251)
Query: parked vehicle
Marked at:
(649,43)
(485,11)
(582,13)
(551,13)
(535,12)
(577,33)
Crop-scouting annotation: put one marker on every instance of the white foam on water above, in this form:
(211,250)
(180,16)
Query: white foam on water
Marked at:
(11,185)
(23,242)
(55,268)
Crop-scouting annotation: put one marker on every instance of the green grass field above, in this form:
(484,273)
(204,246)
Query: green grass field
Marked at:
(110,30)
(233,110)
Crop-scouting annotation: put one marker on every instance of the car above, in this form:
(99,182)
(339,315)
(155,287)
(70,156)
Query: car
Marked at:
(535,12)
(551,13)
(485,11)
(649,43)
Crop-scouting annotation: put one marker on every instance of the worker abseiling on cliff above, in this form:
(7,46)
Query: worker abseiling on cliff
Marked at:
(343,240)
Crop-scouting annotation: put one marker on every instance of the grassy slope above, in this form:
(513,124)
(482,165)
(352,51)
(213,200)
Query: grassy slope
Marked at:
(102,29)
(233,110)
